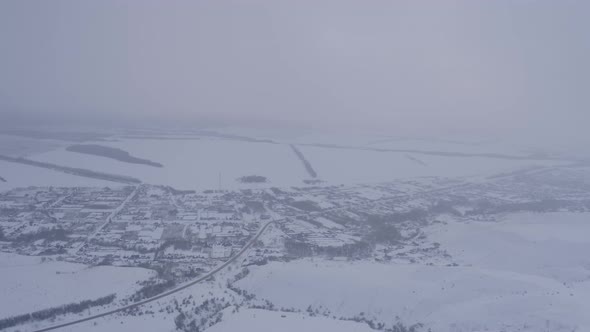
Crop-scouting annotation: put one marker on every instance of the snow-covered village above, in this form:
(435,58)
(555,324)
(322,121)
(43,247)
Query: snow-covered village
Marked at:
(294,166)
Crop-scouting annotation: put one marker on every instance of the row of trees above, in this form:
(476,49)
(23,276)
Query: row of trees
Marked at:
(72,308)
(298,248)
(53,234)
(152,290)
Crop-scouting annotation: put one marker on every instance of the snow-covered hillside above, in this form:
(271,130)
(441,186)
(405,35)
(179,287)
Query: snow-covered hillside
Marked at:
(520,274)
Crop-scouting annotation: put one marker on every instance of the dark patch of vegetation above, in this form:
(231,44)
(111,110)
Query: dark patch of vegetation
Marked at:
(277,191)
(55,234)
(179,243)
(2,179)
(112,153)
(98,207)
(309,206)
(74,171)
(311,221)
(255,206)
(298,248)
(209,312)
(11,212)
(383,230)
(53,251)
(253,179)
(305,162)
(175,192)
(399,327)
(72,308)
(152,290)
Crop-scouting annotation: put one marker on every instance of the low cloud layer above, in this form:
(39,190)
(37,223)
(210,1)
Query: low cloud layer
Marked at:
(404,66)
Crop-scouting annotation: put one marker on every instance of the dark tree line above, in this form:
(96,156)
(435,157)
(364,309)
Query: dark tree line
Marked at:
(253,179)
(72,308)
(305,162)
(152,290)
(298,248)
(55,234)
(308,206)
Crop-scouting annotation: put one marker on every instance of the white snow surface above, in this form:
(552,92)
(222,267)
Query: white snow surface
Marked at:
(16,146)
(30,285)
(199,163)
(193,164)
(362,166)
(270,321)
(508,279)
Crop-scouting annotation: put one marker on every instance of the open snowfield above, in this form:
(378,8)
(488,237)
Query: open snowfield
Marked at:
(551,245)
(526,273)
(16,146)
(193,164)
(19,175)
(359,166)
(158,322)
(29,285)
(270,321)
(448,146)
(197,163)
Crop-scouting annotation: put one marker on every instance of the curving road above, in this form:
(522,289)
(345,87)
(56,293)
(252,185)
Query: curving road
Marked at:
(170,292)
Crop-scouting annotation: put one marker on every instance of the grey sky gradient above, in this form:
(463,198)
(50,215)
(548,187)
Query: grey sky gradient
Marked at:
(400,65)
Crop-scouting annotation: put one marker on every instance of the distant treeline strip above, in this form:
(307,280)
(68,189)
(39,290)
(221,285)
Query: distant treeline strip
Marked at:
(112,153)
(305,162)
(72,308)
(74,171)
(2,179)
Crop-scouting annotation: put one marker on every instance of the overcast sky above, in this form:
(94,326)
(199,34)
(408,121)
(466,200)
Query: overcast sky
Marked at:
(404,65)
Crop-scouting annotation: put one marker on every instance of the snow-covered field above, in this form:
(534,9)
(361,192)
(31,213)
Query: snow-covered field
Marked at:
(270,321)
(29,285)
(16,146)
(449,146)
(198,163)
(19,175)
(158,322)
(193,164)
(526,273)
(550,245)
(360,166)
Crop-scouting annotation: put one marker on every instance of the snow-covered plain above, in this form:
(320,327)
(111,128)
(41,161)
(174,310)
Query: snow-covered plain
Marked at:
(521,274)
(271,321)
(29,285)
(198,163)
(19,175)
(505,148)
(193,164)
(16,146)
(362,166)
(158,322)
